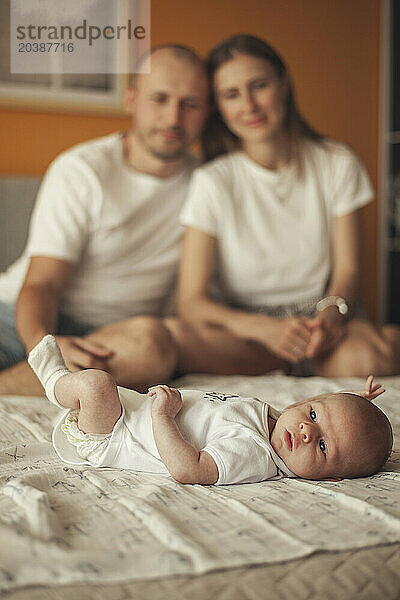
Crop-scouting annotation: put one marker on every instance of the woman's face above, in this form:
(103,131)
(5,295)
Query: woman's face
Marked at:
(251,98)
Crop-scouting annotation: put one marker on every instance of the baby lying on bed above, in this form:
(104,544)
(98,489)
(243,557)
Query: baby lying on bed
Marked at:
(209,437)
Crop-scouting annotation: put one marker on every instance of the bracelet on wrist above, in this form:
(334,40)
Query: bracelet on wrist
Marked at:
(337,301)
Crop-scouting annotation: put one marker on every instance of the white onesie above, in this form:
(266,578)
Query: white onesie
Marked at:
(232,429)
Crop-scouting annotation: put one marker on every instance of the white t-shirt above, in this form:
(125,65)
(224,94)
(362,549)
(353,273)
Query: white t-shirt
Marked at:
(274,229)
(119,227)
(232,429)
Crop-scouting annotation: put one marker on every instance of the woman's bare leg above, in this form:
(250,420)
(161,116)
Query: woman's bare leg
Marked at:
(148,351)
(214,350)
(365,350)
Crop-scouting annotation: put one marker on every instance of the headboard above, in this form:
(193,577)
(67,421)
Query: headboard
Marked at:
(17,196)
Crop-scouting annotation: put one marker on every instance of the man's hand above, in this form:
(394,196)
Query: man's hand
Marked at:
(80,353)
(328,328)
(166,401)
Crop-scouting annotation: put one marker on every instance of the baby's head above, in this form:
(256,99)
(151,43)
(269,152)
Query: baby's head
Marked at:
(333,436)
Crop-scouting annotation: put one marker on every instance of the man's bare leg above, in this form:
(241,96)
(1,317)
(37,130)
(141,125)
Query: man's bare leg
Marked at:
(144,354)
(364,351)
(148,351)
(144,351)
(20,380)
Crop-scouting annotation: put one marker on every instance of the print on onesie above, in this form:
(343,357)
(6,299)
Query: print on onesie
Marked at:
(218,397)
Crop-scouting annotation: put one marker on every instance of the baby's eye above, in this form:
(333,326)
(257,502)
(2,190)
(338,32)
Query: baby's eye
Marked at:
(322,446)
(313,415)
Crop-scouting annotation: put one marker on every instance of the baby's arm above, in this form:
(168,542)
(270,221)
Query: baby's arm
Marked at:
(183,461)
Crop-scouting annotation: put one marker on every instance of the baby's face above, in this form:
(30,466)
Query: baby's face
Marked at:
(314,438)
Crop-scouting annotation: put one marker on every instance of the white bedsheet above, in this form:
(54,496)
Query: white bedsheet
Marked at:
(62,525)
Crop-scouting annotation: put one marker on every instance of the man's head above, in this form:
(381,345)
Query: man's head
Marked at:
(333,436)
(169,105)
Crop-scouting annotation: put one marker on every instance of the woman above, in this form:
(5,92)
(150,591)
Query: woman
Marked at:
(271,251)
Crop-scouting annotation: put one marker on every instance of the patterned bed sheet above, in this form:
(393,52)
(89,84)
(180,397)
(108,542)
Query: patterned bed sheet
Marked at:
(120,534)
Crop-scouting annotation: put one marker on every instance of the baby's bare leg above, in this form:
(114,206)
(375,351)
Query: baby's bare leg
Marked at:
(95,393)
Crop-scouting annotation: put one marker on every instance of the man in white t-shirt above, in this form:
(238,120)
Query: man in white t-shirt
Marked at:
(104,240)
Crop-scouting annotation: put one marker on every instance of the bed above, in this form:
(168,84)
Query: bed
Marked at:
(106,534)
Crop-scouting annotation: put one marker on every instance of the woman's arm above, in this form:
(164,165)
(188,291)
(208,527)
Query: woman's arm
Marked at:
(287,338)
(346,257)
(344,283)
(196,268)
(183,461)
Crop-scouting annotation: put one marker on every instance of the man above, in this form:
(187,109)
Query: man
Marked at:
(104,239)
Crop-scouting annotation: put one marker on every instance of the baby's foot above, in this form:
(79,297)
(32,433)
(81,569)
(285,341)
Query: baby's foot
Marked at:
(47,362)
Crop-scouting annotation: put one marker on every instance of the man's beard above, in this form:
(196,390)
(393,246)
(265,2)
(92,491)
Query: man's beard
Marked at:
(166,155)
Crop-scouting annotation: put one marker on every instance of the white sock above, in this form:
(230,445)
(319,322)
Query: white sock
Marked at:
(47,362)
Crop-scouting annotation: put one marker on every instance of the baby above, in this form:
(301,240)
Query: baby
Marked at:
(209,437)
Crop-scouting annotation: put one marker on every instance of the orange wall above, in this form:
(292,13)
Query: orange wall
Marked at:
(331,46)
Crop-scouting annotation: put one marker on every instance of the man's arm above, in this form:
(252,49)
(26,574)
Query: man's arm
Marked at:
(183,461)
(39,298)
(37,313)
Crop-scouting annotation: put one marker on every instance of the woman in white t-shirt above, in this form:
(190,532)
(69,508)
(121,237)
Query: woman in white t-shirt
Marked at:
(270,255)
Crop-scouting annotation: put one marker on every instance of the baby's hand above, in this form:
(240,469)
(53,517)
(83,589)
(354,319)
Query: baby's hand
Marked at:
(166,401)
(371,391)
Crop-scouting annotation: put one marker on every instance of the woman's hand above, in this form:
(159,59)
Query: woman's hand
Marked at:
(166,401)
(287,338)
(328,328)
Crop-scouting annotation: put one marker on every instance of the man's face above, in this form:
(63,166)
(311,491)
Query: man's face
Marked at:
(169,105)
(317,438)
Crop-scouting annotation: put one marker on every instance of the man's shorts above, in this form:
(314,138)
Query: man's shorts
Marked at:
(12,350)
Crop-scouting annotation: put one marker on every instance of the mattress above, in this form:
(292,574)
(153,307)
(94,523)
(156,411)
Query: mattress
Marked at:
(87,533)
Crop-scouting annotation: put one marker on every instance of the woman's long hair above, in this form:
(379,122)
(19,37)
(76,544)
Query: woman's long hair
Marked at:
(217,139)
